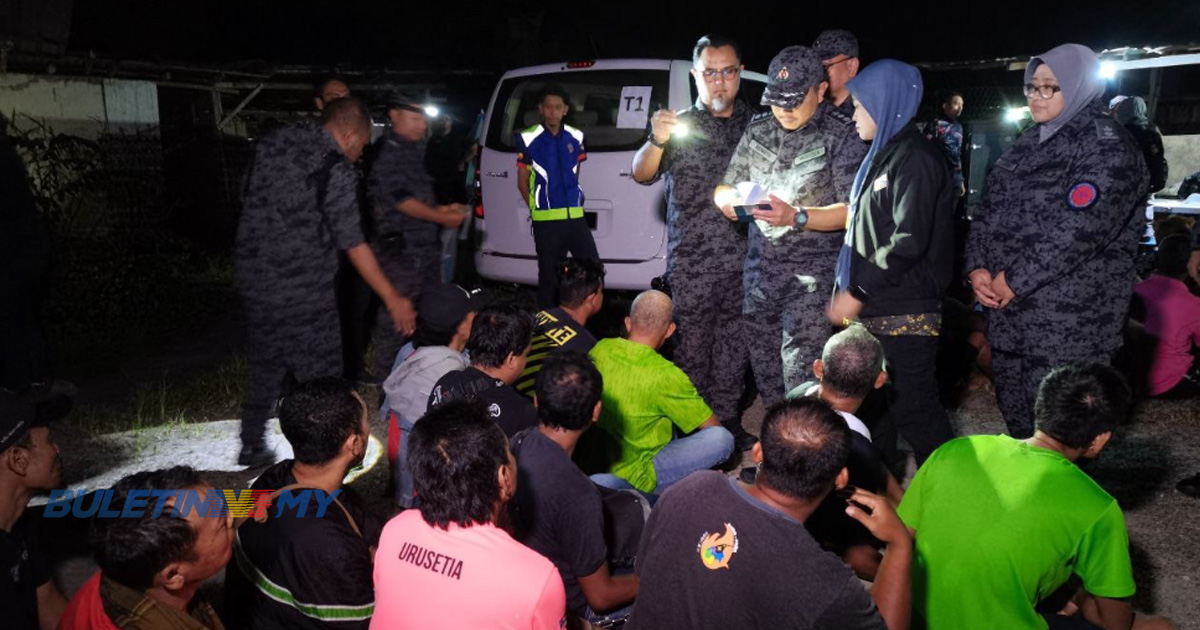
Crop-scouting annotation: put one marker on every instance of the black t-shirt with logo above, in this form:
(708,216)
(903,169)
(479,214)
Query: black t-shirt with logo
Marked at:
(22,571)
(509,409)
(558,512)
(714,557)
(553,330)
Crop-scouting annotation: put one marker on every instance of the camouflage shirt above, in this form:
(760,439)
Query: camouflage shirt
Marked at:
(699,238)
(299,207)
(1059,220)
(399,174)
(814,165)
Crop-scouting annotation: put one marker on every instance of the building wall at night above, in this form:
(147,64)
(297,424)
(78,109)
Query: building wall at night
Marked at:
(85,107)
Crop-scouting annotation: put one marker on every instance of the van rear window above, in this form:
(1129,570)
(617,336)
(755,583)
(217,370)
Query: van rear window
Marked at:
(595,101)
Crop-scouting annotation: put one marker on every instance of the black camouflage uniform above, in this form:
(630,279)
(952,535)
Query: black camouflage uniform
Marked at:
(1061,220)
(705,254)
(831,43)
(299,208)
(789,272)
(409,249)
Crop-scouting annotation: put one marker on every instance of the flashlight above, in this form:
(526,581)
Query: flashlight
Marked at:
(1015,114)
(1108,70)
(432,111)
(680,131)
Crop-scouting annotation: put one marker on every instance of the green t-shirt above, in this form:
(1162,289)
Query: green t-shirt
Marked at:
(644,394)
(1001,524)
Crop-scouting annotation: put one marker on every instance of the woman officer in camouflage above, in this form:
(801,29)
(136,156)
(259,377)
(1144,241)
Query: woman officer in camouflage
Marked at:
(1051,250)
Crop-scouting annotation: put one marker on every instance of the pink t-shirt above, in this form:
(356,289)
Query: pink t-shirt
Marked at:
(1173,317)
(465,577)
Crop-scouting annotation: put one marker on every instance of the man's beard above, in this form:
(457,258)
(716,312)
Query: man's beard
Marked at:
(719,104)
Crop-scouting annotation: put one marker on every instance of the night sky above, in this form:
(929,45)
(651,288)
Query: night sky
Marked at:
(494,36)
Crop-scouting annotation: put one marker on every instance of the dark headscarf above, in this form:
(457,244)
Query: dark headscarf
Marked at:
(890,91)
(1132,111)
(1078,72)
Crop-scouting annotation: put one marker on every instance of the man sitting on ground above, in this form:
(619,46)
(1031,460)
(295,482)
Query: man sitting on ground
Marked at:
(437,348)
(645,397)
(447,564)
(151,566)
(295,570)
(29,465)
(580,296)
(718,553)
(850,367)
(498,347)
(558,510)
(1001,523)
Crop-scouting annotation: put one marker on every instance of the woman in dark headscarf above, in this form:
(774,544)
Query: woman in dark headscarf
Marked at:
(1131,113)
(1051,250)
(898,257)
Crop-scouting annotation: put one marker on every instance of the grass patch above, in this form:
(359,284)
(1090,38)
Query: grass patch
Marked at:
(215,394)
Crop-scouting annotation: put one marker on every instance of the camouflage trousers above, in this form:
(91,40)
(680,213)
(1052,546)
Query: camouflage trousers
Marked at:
(710,347)
(411,270)
(286,342)
(1017,377)
(785,325)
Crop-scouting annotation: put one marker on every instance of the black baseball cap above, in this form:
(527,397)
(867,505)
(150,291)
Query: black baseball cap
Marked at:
(444,307)
(834,42)
(791,73)
(19,413)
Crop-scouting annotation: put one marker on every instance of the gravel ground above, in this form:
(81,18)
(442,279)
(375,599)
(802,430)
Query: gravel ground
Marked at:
(1140,468)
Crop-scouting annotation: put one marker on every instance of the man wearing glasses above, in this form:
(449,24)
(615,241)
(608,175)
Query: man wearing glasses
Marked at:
(838,50)
(805,156)
(705,252)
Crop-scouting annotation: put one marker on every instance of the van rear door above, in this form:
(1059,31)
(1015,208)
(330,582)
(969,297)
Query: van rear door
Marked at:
(611,106)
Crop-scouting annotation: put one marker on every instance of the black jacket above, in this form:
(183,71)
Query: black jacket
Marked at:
(902,233)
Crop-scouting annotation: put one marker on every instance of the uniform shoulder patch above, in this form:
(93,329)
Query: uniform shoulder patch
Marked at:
(838,116)
(1107,129)
(1083,195)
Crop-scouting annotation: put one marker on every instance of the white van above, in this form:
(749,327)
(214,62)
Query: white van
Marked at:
(611,101)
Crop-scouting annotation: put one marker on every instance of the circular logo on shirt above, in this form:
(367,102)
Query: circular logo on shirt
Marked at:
(494,410)
(1083,195)
(716,550)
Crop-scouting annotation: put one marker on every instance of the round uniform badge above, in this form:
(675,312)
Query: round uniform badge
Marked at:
(1083,195)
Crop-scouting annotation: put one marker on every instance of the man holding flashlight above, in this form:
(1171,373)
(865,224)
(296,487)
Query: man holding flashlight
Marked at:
(805,158)
(705,252)
(409,247)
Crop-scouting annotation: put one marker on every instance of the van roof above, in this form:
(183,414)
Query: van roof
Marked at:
(598,64)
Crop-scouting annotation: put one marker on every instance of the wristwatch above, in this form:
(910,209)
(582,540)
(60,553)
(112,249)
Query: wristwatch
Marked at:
(801,218)
(651,140)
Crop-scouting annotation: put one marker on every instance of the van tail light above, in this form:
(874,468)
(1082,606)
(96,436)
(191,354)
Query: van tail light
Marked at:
(477,196)
(580,64)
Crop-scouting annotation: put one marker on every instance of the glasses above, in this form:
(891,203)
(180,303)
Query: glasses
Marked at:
(726,74)
(1044,92)
(830,63)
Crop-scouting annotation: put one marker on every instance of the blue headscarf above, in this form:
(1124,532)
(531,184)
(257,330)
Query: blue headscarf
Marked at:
(891,92)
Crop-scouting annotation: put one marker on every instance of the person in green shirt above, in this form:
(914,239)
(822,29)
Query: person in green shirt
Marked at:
(645,396)
(1001,523)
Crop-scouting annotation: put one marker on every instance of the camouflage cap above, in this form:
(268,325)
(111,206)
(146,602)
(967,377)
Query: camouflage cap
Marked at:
(834,42)
(792,72)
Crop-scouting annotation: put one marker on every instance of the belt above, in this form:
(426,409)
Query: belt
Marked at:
(557,214)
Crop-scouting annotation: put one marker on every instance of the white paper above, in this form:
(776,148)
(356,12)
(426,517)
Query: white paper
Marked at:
(751,193)
(633,112)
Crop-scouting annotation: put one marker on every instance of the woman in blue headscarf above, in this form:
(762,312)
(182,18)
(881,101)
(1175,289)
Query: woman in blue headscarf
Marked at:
(893,270)
(1051,250)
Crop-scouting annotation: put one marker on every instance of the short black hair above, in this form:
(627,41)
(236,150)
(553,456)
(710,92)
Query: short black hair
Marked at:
(568,388)
(427,335)
(805,444)
(852,360)
(319,85)
(945,96)
(554,89)
(715,41)
(317,416)
(577,279)
(131,551)
(1079,401)
(454,452)
(347,113)
(1172,256)
(497,332)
